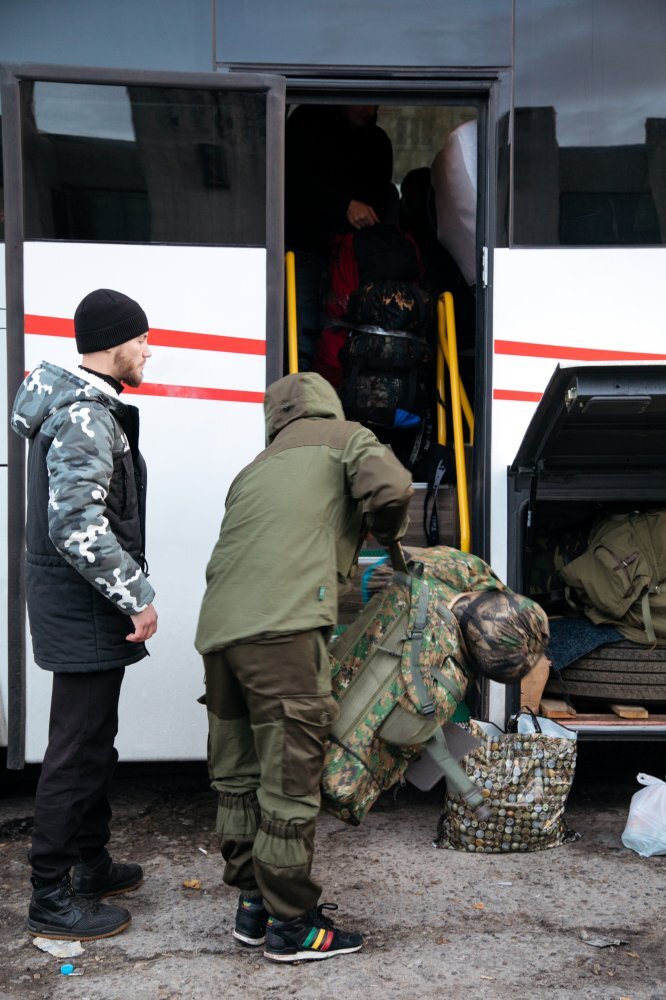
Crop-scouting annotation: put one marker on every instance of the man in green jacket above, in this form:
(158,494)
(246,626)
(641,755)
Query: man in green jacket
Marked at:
(293,525)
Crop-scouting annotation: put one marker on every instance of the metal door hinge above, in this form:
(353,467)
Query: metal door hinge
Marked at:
(484,267)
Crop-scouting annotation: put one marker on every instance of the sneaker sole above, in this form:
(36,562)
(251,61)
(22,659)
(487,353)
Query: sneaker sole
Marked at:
(110,892)
(61,935)
(307,956)
(249,941)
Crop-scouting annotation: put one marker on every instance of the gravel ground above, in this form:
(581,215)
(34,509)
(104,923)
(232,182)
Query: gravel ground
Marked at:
(438,923)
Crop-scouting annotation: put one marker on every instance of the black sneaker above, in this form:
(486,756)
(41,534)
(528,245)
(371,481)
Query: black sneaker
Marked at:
(103,877)
(57,912)
(251,918)
(311,936)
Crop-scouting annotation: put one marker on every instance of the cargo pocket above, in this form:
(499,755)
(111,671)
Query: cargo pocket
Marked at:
(307,723)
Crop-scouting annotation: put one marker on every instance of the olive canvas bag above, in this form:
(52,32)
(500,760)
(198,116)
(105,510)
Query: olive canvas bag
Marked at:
(620,579)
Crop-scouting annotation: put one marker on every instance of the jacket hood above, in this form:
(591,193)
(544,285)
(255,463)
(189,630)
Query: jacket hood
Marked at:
(293,397)
(49,388)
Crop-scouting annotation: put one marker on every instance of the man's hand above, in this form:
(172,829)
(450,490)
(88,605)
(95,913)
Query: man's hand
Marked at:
(359,215)
(145,625)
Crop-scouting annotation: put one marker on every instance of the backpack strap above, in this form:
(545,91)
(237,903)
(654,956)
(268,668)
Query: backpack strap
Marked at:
(421,440)
(528,554)
(397,557)
(431,522)
(647,614)
(415,635)
(447,683)
(457,782)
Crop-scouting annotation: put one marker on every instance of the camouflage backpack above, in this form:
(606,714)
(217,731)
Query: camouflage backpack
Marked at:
(385,352)
(398,674)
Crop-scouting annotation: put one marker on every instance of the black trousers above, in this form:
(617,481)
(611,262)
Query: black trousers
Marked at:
(72,811)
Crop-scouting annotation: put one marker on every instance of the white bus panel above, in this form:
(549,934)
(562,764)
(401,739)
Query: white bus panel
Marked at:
(557,306)
(201,421)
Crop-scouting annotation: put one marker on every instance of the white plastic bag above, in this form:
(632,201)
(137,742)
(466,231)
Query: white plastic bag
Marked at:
(528,723)
(453,177)
(645,831)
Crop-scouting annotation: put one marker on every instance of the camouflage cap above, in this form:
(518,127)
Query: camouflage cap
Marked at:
(505,633)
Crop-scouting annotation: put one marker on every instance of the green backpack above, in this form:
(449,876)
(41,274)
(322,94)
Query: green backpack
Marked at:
(398,674)
(620,579)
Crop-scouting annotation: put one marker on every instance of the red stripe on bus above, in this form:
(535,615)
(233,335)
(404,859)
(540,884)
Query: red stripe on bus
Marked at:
(48,326)
(517,394)
(196,392)
(525,350)
(51,326)
(206,342)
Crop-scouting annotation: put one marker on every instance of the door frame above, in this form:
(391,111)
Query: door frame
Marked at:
(11,78)
(490,91)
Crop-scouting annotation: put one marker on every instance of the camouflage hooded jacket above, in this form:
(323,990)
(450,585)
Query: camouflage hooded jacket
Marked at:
(294,518)
(85,520)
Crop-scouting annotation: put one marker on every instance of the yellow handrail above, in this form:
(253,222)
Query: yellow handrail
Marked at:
(443,350)
(456,414)
(441,385)
(292,325)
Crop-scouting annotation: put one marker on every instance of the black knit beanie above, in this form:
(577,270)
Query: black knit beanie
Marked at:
(105,318)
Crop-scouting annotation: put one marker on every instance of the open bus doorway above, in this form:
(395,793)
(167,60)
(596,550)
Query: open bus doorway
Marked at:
(409,172)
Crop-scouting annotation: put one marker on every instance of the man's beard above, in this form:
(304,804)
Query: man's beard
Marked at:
(129,372)
(133,379)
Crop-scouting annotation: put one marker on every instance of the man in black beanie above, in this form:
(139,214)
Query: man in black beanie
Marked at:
(89,604)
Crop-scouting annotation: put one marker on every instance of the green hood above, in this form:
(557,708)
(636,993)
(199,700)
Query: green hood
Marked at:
(293,397)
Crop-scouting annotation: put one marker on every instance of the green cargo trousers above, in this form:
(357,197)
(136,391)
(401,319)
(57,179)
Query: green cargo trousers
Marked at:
(270,710)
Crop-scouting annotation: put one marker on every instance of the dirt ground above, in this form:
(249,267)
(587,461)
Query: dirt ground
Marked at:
(438,923)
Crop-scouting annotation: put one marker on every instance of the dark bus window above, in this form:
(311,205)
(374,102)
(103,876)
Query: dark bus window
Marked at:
(590,123)
(2,184)
(144,164)
(2,191)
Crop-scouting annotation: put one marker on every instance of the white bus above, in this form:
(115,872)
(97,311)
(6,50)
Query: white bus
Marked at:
(165,179)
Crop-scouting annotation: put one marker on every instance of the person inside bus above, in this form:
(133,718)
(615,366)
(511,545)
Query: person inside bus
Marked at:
(89,603)
(293,522)
(338,169)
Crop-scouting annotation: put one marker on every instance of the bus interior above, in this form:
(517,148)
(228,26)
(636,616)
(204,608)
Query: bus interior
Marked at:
(420,137)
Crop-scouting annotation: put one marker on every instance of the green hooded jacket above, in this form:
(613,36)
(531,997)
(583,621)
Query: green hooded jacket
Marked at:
(295,518)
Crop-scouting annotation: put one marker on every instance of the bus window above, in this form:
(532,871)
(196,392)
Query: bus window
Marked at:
(142,164)
(590,121)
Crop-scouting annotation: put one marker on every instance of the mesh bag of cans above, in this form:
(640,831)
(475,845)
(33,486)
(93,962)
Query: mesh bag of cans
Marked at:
(525,777)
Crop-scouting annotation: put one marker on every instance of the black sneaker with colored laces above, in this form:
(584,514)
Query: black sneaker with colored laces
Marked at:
(101,876)
(251,920)
(57,912)
(311,936)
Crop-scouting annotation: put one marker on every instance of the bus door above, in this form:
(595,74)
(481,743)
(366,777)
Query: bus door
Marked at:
(166,187)
(447,138)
